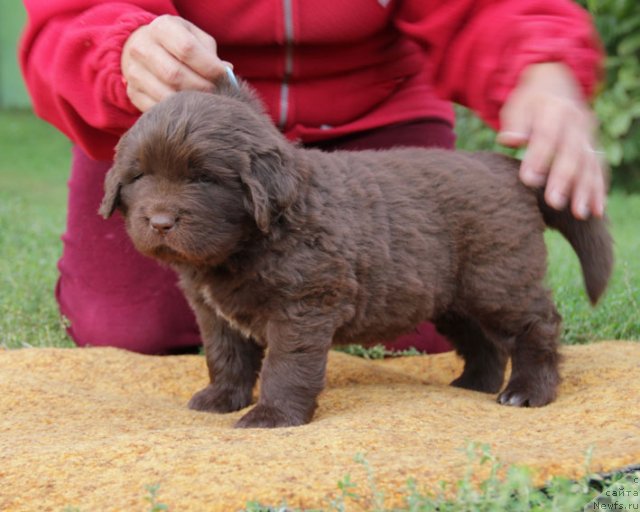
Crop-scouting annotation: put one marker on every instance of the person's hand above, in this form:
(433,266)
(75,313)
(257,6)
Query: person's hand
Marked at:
(168,55)
(547,112)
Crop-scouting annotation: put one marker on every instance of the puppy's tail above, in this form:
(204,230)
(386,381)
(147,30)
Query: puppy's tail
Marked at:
(590,240)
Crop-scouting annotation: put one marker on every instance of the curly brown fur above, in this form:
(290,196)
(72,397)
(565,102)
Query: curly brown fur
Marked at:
(290,250)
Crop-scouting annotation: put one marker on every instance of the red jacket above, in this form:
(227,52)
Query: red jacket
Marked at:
(323,69)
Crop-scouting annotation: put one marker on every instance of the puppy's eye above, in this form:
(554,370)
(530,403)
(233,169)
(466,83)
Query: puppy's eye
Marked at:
(136,177)
(202,178)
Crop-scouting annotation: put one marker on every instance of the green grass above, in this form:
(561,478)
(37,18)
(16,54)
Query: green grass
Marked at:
(617,316)
(34,163)
(503,489)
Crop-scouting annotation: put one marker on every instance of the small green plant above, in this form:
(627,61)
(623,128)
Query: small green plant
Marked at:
(254,506)
(373,499)
(375,352)
(152,498)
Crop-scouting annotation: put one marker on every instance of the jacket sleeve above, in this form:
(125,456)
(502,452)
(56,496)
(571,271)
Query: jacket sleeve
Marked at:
(70,58)
(478,48)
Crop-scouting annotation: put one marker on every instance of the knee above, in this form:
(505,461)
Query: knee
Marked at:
(144,328)
(88,330)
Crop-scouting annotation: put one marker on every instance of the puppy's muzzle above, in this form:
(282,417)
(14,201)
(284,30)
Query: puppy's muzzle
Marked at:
(162,223)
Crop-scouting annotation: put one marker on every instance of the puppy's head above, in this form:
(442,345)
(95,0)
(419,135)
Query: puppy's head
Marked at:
(199,174)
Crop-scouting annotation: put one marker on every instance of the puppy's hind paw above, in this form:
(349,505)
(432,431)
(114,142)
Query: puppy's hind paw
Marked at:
(264,416)
(211,399)
(527,395)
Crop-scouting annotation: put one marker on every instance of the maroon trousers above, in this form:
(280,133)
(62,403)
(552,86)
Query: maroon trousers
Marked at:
(113,296)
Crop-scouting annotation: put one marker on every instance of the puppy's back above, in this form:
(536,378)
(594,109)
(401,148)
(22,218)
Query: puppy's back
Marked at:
(412,223)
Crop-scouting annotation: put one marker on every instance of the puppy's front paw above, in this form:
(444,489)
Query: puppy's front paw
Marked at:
(526,394)
(211,399)
(264,416)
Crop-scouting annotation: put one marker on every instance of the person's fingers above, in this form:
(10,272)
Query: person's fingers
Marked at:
(575,172)
(189,45)
(584,189)
(140,78)
(570,172)
(141,101)
(594,185)
(547,111)
(599,200)
(151,69)
(168,55)
(515,122)
(172,72)
(207,42)
(543,142)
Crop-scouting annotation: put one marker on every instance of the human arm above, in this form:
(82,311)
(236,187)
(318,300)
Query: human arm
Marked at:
(71,55)
(169,54)
(492,56)
(548,113)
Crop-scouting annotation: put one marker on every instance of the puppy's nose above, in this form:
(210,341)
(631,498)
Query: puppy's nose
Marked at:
(162,223)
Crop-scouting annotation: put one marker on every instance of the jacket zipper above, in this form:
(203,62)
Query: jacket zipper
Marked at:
(287,8)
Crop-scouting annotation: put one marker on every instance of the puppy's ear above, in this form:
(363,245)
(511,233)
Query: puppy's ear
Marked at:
(112,186)
(241,91)
(272,186)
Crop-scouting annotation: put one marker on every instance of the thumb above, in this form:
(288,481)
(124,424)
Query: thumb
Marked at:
(516,120)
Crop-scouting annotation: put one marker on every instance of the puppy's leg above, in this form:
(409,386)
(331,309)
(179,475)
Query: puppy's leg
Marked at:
(292,376)
(535,359)
(484,360)
(233,361)
(526,321)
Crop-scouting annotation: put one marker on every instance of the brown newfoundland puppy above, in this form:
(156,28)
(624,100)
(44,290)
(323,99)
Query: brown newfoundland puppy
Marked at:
(283,251)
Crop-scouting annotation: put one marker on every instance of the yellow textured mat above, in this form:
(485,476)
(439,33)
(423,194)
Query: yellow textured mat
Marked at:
(90,428)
